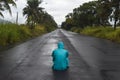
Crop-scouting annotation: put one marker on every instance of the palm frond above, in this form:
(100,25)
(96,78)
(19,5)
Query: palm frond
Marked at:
(7,6)
(1,14)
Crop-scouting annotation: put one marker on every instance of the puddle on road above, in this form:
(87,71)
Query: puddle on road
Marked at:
(47,51)
(49,47)
(48,62)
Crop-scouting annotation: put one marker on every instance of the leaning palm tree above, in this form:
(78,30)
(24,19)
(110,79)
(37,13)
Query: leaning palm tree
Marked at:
(4,5)
(32,12)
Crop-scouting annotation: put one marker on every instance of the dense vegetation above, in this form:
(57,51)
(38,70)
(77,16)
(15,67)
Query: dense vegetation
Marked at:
(100,32)
(97,15)
(38,22)
(35,15)
(12,33)
(94,13)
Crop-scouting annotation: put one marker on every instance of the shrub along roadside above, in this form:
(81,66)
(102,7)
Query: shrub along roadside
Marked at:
(12,33)
(101,32)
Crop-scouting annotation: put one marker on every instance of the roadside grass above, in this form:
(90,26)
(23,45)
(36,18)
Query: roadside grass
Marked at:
(77,30)
(102,32)
(12,33)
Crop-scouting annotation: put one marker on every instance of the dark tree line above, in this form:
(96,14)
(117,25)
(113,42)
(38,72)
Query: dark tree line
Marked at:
(94,13)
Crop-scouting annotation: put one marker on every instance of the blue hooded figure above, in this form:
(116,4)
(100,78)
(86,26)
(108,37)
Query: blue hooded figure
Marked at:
(60,58)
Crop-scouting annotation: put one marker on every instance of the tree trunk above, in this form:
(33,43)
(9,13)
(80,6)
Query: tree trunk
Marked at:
(115,24)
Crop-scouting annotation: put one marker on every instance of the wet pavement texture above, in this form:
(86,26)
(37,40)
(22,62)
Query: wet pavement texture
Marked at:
(90,58)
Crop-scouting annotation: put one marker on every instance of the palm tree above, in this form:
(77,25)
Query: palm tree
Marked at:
(4,5)
(33,12)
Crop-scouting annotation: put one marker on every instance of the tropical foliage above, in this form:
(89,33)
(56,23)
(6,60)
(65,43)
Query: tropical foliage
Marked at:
(38,22)
(94,13)
(36,15)
(4,5)
(13,33)
(32,12)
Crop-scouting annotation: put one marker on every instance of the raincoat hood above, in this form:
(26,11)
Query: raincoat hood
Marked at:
(60,45)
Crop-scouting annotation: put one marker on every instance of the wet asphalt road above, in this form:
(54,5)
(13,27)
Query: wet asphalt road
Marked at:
(90,58)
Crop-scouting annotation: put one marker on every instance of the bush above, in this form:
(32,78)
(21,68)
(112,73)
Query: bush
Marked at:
(114,36)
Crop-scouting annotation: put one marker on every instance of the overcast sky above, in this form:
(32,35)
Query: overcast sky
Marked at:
(57,8)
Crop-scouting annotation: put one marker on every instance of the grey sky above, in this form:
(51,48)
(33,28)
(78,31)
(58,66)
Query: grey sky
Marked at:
(57,8)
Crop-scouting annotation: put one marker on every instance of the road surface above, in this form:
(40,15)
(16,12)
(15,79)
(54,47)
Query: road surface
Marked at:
(90,58)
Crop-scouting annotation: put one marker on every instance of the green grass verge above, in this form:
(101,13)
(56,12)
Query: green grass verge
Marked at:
(12,33)
(102,32)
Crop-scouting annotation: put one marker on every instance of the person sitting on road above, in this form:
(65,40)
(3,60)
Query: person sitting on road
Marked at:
(60,58)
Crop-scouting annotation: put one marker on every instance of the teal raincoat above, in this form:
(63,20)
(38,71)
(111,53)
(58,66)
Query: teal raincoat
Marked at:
(60,57)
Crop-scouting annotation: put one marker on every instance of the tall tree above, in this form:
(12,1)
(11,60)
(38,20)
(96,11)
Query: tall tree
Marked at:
(85,15)
(110,9)
(116,11)
(33,12)
(104,11)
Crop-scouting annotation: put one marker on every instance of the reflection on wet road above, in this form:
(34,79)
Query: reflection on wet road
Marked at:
(90,59)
